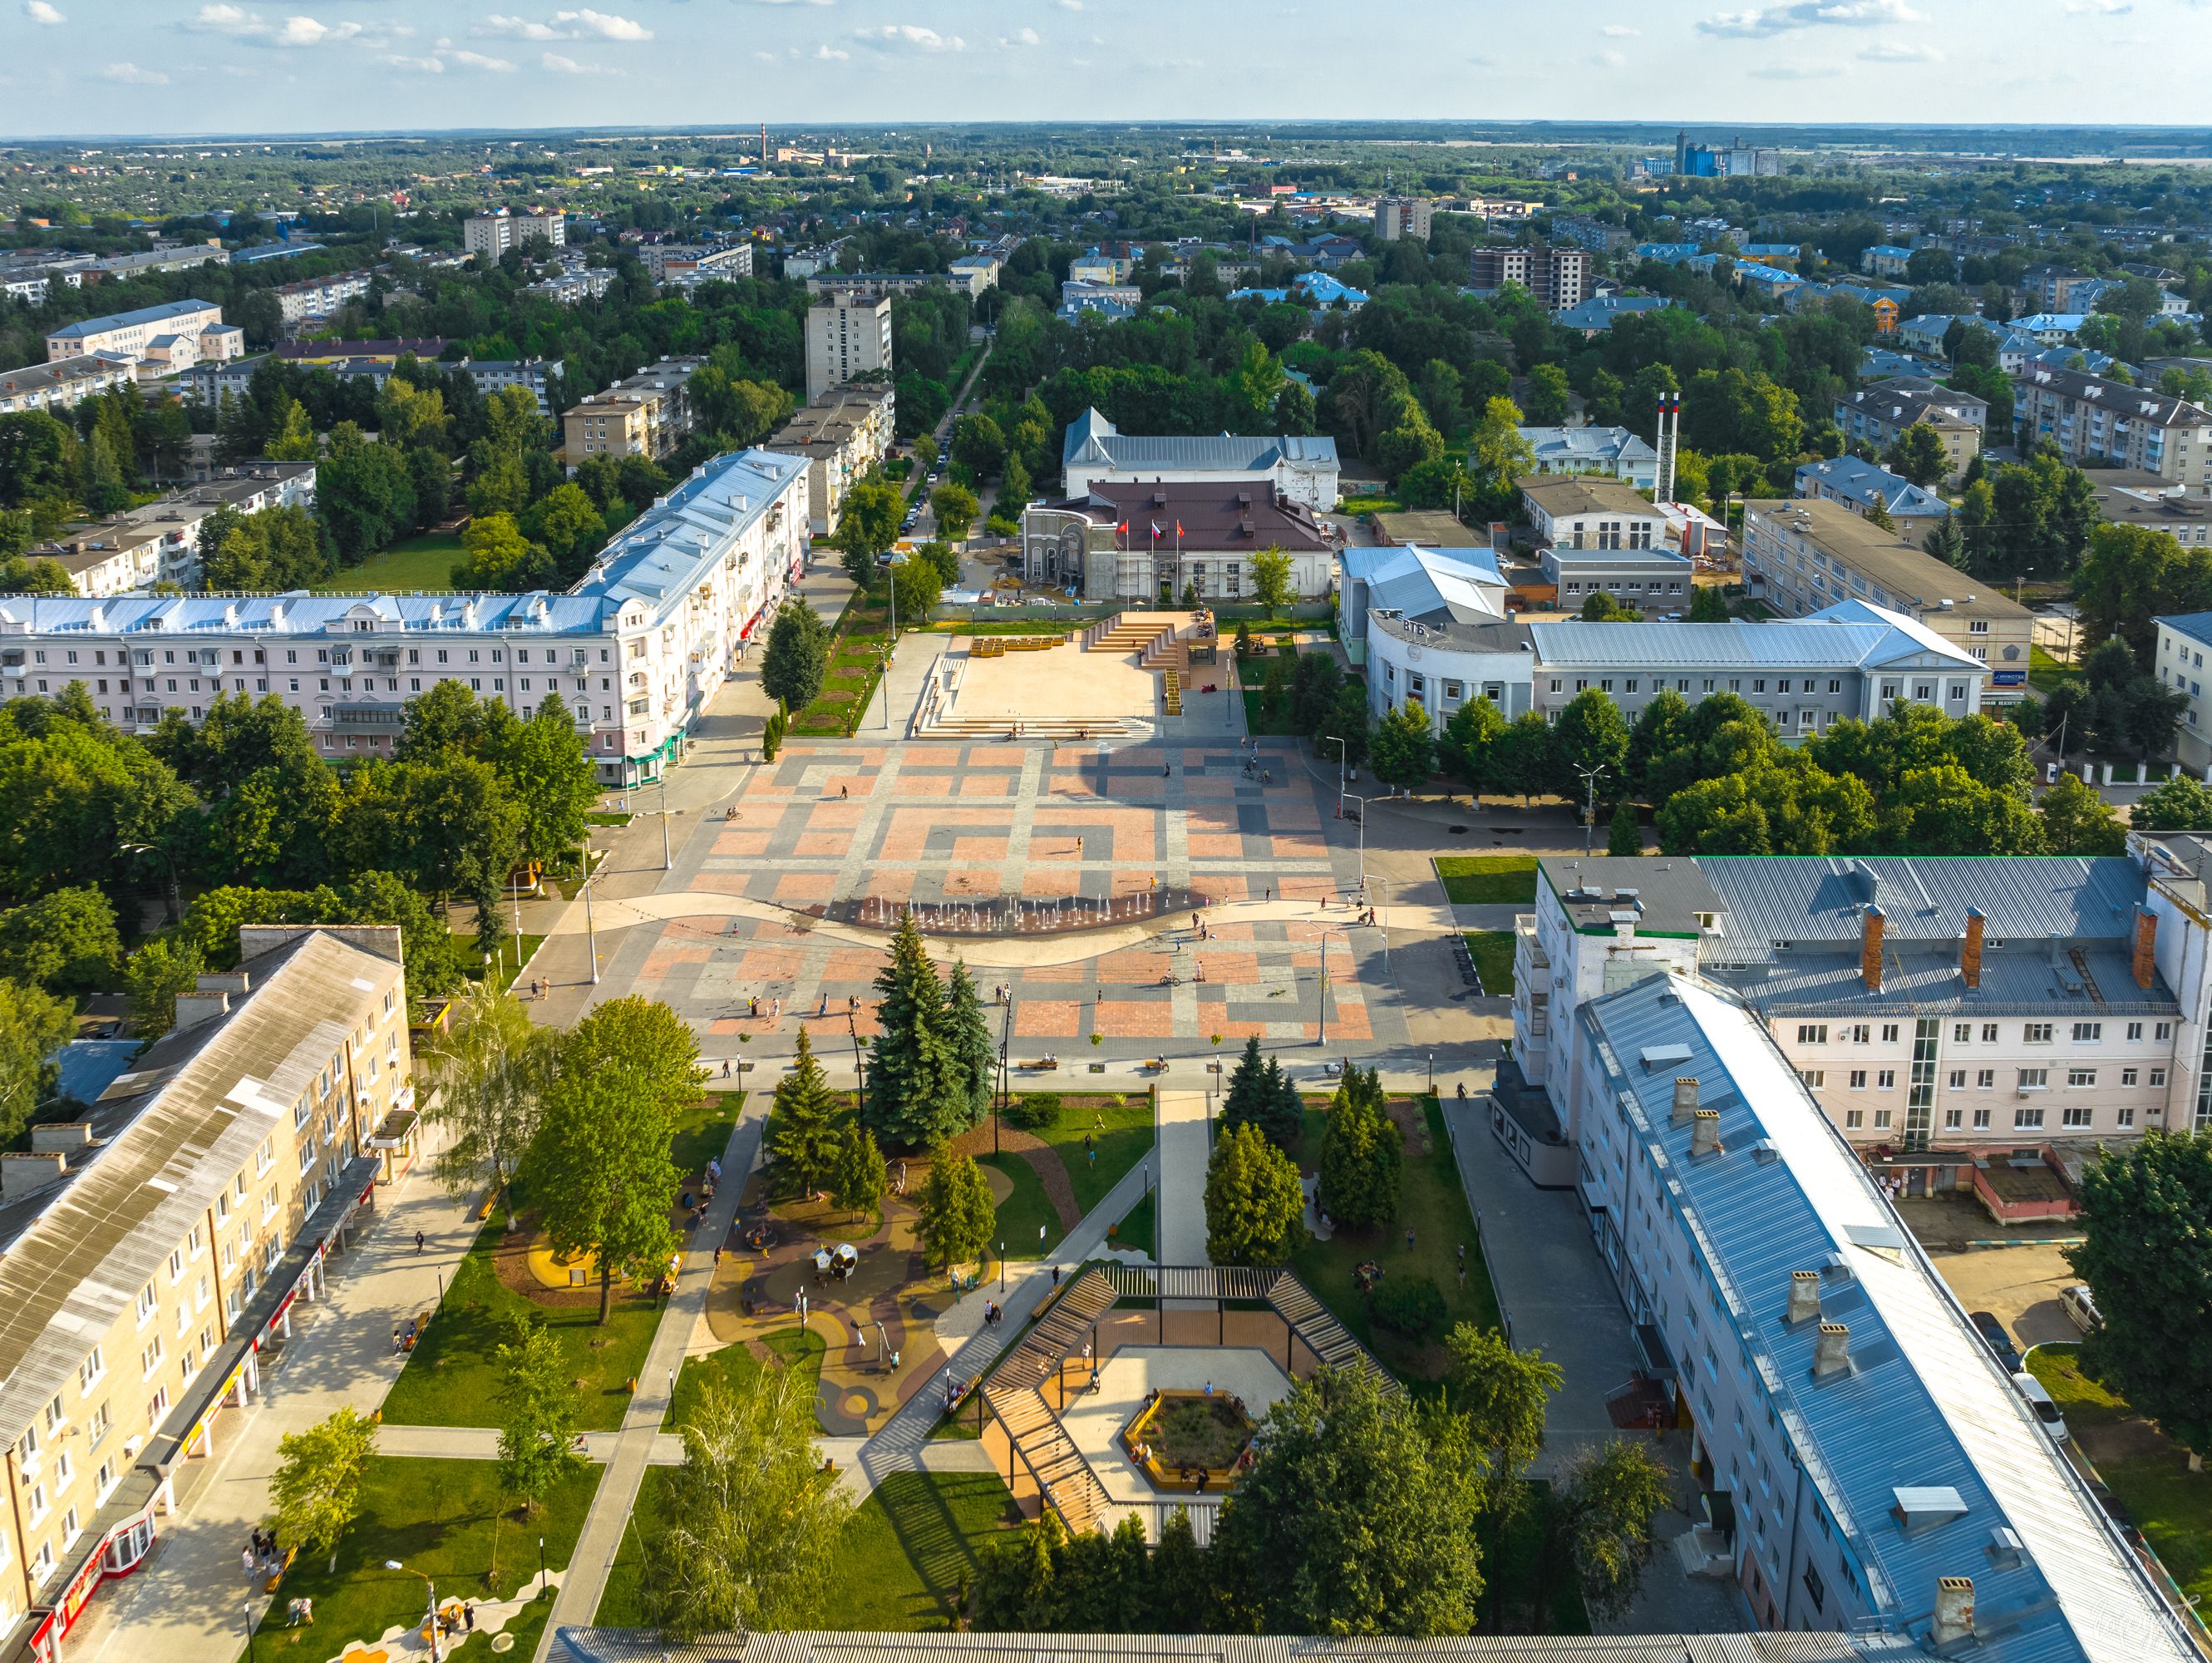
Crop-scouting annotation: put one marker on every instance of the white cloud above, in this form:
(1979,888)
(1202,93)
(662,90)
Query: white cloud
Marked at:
(419,65)
(1021,38)
(1609,60)
(39,12)
(478,61)
(294,31)
(584,25)
(1811,14)
(912,36)
(1619,32)
(558,64)
(1900,52)
(1069,5)
(132,76)
(827,53)
(791,2)
(1797,71)
(2100,8)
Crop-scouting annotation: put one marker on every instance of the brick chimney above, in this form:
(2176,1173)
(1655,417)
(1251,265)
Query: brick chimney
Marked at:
(1705,1131)
(1969,959)
(1804,1295)
(2146,955)
(1871,948)
(1831,1349)
(1954,1610)
(1685,1097)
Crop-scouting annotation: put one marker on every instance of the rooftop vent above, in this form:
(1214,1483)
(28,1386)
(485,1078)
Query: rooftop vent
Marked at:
(1685,1097)
(2005,1549)
(1954,1610)
(1924,1506)
(1832,1350)
(1804,1295)
(1705,1131)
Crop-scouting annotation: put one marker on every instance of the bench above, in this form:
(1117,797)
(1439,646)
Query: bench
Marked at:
(282,1565)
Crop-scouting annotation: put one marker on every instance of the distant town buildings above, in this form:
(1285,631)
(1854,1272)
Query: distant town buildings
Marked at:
(487,236)
(1397,217)
(159,542)
(1876,415)
(2090,418)
(168,338)
(842,434)
(1614,452)
(1557,278)
(671,261)
(61,384)
(1095,452)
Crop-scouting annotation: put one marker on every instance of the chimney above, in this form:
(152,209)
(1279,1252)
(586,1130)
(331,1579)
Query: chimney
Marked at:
(194,1009)
(1705,1131)
(1954,1610)
(19,1174)
(2146,963)
(221,981)
(1970,958)
(1685,1097)
(1804,1295)
(56,1137)
(1831,1349)
(1871,948)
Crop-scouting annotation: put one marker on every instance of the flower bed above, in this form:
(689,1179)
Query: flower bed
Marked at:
(1192,1441)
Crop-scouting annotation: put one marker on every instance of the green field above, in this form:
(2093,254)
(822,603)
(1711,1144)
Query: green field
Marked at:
(1137,1226)
(1494,958)
(1022,1214)
(413,563)
(1125,1137)
(735,1365)
(1487,879)
(446,1519)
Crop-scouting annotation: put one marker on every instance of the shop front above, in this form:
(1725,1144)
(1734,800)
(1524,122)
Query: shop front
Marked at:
(121,1536)
(396,1141)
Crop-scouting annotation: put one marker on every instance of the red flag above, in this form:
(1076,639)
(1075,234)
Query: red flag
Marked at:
(1178,528)
(1123,529)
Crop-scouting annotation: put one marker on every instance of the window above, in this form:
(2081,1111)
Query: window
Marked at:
(1858,1079)
(1889,1033)
(2037,1033)
(97,1424)
(146,1302)
(2163,1031)
(1858,1034)
(1886,1080)
(2027,1119)
(1989,1033)
(2074,1115)
(2135,1030)
(2087,1033)
(2034,1079)
(1812,1034)
(1854,1119)
(1815,1079)
(1962,1032)
(2129,1077)
(1958,1080)
(149,1359)
(1985,1079)
(2158,1076)
(1952,1119)
(2080,1076)
(1981,1119)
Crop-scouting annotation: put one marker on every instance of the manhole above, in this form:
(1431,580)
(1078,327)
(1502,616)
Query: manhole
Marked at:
(1455,830)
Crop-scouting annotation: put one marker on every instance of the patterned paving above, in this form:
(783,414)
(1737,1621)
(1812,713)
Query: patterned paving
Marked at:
(937,824)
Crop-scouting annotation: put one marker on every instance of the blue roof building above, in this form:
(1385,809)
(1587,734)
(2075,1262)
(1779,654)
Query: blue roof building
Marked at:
(1859,484)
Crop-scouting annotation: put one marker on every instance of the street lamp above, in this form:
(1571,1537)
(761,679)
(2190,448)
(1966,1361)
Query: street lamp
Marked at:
(1327,930)
(248,1604)
(1002,1267)
(662,782)
(591,930)
(541,1565)
(169,861)
(1590,776)
(436,1655)
(1432,1074)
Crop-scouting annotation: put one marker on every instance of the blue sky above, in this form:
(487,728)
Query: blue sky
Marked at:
(111,66)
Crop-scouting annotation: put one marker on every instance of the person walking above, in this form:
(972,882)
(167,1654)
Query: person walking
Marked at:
(418,1243)
(246,1561)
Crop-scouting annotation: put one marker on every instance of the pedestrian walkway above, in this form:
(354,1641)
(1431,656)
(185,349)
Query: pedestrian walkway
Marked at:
(1185,1132)
(578,1600)
(481,1443)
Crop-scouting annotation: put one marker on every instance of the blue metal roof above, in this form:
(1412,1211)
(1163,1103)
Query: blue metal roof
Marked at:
(2197,626)
(1924,898)
(86,326)
(1834,639)
(1923,1402)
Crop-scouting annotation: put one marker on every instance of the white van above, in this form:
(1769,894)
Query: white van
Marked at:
(2039,1403)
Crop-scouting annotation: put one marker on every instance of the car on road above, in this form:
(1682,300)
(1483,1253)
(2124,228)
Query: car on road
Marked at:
(1994,1335)
(2080,1306)
(2040,1403)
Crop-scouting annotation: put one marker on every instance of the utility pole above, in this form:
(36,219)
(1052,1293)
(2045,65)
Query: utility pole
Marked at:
(1590,775)
(591,931)
(859,1073)
(662,780)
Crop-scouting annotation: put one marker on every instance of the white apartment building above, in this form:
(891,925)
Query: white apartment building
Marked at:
(2091,418)
(842,434)
(848,337)
(487,236)
(1867,1464)
(672,261)
(312,299)
(149,1255)
(635,650)
(1095,452)
(1581,512)
(62,384)
(159,541)
(129,336)
(2184,639)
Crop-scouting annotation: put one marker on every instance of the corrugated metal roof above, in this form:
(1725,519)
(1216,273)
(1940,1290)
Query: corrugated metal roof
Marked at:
(2019,977)
(1819,644)
(1923,1402)
(1924,898)
(1092,438)
(2197,626)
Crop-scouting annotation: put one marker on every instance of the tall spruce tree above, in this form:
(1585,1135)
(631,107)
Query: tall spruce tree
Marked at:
(1359,1155)
(968,1031)
(1246,1098)
(804,1142)
(917,1085)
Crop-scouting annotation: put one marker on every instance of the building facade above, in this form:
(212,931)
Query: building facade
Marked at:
(1857,484)
(1654,582)
(1579,512)
(1095,452)
(2090,418)
(2130,499)
(842,435)
(1874,415)
(487,236)
(1430,628)
(672,260)
(62,384)
(1131,541)
(849,338)
(159,541)
(647,414)
(1559,277)
(1398,217)
(1614,452)
(314,299)
(129,336)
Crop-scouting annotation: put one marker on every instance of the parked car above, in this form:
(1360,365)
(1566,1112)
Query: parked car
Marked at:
(2081,1308)
(2040,1403)
(1994,1335)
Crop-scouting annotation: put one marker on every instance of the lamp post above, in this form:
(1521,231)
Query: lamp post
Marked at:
(541,1565)
(1327,931)
(169,861)
(1002,1267)
(436,1654)
(662,782)
(860,1075)
(250,1653)
(1432,1074)
(1589,778)
(591,930)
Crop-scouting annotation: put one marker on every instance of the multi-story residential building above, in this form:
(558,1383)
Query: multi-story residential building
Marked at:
(537,375)
(2184,639)
(1885,259)
(1611,452)
(967,277)
(312,299)
(2050,328)
(129,337)
(1859,485)
(842,434)
(1937,1009)
(487,236)
(978,271)
(2091,418)
(1583,511)
(849,338)
(151,1254)
(1095,452)
(2128,498)
(575,286)
(1146,541)
(1868,1464)
(176,257)
(2054,288)
(647,414)
(60,385)
(1801,555)
(1850,661)
(1095,266)
(1587,231)
(1655,582)
(1559,277)
(1876,415)
(1398,217)
(159,541)
(669,261)
(1113,301)
(634,650)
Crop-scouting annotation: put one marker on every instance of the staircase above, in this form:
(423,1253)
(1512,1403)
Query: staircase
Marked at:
(976,728)
(1015,1394)
(1119,635)
(1327,1338)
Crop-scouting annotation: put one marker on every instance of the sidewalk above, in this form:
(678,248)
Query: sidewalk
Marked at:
(188,1604)
(1184,1126)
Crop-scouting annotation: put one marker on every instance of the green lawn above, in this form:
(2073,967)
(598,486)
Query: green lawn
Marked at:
(1487,879)
(1494,958)
(798,1347)
(860,631)
(1139,1226)
(1023,1212)
(510,961)
(413,563)
(2046,673)
(451,1378)
(1432,1202)
(2171,1505)
(906,1550)
(1126,1138)
(446,1519)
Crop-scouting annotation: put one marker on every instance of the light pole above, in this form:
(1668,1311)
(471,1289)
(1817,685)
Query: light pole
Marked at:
(860,1075)
(436,1654)
(1002,1267)
(591,930)
(248,1604)
(1328,930)
(1432,1074)
(169,861)
(1338,741)
(1590,776)
(662,780)
(541,1565)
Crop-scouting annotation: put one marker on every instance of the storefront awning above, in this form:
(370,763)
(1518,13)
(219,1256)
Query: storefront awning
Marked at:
(394,1129)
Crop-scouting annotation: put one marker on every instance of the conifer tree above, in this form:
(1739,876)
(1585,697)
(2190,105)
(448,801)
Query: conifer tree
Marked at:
(861,1179)
(917,1084)
(1359,1155)
(968,1031)
(805,1144)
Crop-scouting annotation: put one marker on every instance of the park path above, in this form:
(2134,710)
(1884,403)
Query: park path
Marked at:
(1184,1130)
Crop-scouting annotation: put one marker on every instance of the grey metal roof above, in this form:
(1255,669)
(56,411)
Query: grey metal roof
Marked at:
(2020,978)
(1923,1402)
(1669,893)
(1091,438)
(1809,643)
(1924,898)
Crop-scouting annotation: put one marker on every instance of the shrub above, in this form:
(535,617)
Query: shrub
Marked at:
(1032,1110)
(1412,1306)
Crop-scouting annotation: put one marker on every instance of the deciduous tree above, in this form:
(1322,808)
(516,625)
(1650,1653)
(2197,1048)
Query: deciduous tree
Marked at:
(1402,749)
(536,1414)
(798,655)
(317,1485)
(494,1066)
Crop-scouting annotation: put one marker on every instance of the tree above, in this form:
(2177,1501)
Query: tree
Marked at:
(1946,542)
(1918,453)
(492,1065)
(955,508)
(942,558)
(2077,821)
(317,1485)
(498,556)
(956,1212)
(536,1414)
(1303,1546)
(967,1034)
(1402,751)
(1548,402)
(918,1084)
(1591,733)
(600,1168)
(1361,1154)
(868,523)
(64,941)
(803,1137)
(1521,761)
(798,655)
(1270,571)
(1602,608)
(1469,741)
(1504,1395)
(860,1176)
(979,446)
(1600,1521)
(566,524)
(293,437)
(155,975)
(1625,836)
(33,1025)
(548,777)
(916,588)
(754,1520)
(1260,1095)
(2177,804)
(1254,1206)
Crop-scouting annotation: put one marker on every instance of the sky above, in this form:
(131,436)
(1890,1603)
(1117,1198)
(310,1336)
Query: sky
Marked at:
(70,67)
